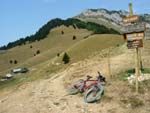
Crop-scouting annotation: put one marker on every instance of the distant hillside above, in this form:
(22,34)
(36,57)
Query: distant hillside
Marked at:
(112,19)
(55,43)
(44,30)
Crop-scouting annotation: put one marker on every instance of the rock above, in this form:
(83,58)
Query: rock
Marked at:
(128,106)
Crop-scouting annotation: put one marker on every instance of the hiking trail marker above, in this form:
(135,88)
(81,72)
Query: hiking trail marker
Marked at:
(133,33)
(131,18)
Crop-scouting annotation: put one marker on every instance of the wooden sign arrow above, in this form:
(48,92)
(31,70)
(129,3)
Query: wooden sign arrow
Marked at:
(131,19)
(140,27)
(135,44)
(134,36)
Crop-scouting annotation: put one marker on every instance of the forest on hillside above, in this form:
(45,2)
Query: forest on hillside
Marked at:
(45,29)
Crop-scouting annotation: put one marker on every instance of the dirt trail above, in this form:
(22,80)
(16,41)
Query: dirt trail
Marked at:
(50,95)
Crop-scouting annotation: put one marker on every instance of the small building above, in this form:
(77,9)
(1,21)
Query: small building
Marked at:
(8,75)
(20,70)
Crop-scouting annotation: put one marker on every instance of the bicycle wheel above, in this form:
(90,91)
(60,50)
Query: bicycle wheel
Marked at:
(94,93)
(75,87)
(73,91)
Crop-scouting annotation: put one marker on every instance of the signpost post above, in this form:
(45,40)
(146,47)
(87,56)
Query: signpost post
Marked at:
(134,35)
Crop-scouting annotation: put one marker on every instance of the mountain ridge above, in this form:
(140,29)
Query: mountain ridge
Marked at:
(113,17)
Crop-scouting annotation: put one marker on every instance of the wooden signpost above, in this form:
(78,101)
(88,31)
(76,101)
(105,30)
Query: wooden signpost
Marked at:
(133,28)
(134,35)
(135,44)
(130,19)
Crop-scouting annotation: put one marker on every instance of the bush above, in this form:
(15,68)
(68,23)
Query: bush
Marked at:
(62,32)
(66,58)
(31,46)
(74,37)
(15,61)
(38,52)
(118,45)
(58,54)
(10,61)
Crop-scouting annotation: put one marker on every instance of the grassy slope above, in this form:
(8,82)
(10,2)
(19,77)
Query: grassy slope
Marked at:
(49,47)
(93,44)
(81,50)
(42,66)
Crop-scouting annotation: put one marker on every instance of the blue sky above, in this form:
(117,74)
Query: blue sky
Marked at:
(19,18)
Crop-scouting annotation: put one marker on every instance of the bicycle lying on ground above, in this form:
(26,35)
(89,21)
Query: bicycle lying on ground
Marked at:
(93,88)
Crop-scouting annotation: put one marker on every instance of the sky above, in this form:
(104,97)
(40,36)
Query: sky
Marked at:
(21,18)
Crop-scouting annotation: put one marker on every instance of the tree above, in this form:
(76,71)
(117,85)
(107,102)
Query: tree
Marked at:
(10,61)
(58,54)
(62,32)
(38,52)
(74,37)
(66,58)
(15,61)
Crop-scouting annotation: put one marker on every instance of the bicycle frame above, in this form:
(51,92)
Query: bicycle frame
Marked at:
(93,82)
(83,86)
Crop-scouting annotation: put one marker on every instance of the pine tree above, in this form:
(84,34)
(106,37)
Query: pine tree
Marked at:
(66,58)
(15,61)
(10,61)
(74,37)
(38,52)
(58,54)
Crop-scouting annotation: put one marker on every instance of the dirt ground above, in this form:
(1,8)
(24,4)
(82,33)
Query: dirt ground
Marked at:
(50,95)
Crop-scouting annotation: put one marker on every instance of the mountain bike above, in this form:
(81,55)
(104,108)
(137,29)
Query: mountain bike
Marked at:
(92,88)
(94,93)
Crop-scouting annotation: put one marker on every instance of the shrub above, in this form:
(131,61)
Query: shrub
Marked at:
(15,61)
(10,61)
(58,54)
(62,32)
(38,52)
(66,58)
(118,45)
(31,46)
(74,37)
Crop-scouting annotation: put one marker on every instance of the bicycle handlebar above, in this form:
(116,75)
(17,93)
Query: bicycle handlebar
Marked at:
(88,77)
(98,73)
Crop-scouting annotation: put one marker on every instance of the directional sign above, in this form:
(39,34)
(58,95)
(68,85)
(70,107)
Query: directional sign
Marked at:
(131,19)
(135,44)
(134,36)
(134,28)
